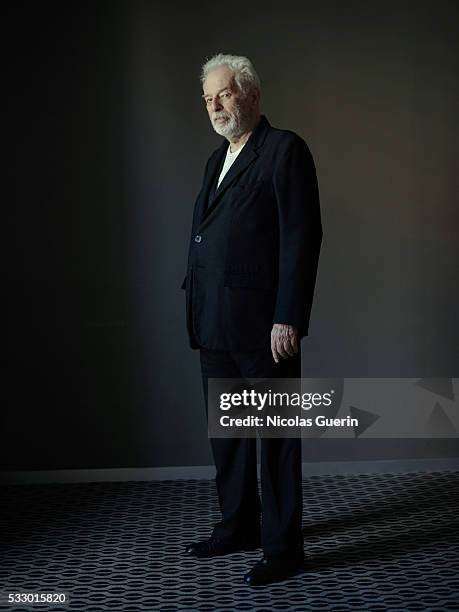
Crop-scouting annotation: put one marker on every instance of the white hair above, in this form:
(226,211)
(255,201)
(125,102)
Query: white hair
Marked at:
(244,73)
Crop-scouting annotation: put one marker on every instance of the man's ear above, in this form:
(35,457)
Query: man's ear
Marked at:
(255,96)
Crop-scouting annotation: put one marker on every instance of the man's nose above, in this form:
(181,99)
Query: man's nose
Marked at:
(216,104)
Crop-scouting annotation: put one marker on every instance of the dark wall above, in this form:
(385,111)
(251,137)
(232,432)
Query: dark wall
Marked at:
(107,139)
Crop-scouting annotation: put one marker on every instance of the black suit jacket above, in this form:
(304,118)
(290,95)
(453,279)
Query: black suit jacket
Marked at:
(255,243)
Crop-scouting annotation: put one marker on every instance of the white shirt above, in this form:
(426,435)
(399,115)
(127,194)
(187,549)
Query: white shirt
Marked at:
(229,160)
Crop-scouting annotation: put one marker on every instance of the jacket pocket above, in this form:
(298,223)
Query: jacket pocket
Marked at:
(249,280)
(248,188)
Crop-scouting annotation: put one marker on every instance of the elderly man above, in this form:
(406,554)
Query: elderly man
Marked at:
(252,263)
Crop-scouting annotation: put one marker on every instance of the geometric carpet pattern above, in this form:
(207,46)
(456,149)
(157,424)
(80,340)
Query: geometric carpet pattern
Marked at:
(377,542)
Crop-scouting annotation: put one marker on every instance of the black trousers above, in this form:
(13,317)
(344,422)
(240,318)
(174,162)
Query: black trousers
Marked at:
(280,509)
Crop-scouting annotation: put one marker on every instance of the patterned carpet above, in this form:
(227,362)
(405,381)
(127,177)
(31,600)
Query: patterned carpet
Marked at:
(373,542)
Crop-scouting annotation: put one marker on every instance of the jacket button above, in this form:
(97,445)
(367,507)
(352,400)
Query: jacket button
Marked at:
(197,238)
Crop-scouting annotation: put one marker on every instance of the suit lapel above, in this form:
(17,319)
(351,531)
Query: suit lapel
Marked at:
(239,165)
(214,166)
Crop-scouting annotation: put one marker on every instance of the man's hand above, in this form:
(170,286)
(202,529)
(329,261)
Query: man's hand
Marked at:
(284,341)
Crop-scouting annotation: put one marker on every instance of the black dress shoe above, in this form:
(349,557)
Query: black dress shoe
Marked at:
(274,569)
(214,547)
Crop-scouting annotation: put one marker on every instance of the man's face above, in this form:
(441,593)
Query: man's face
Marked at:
(229,111)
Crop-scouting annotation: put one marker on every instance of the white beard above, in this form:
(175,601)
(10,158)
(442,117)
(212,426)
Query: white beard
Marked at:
(233,125)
